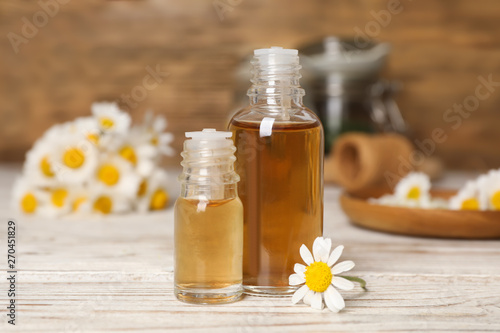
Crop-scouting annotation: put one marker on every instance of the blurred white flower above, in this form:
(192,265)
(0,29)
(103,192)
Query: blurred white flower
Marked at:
(116,174)
(27,198)
(110,119)
(413,190)
(467,198)
(152,193)
(152,132)
(73,159)
(103,201)
(489,190)
(38,166)
(58,202)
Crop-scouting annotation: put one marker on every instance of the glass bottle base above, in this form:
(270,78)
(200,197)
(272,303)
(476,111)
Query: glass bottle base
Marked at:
(209,296)
(268,291)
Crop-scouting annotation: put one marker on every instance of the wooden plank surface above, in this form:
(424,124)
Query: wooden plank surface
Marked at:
(116,274)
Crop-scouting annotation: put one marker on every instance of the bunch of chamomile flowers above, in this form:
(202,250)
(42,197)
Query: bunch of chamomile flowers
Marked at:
(96,164)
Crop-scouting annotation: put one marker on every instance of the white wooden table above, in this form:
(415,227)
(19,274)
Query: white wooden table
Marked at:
(115,274)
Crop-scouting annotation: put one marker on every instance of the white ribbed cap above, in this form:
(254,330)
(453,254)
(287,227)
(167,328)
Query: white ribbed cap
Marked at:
(277,56)
(208,134)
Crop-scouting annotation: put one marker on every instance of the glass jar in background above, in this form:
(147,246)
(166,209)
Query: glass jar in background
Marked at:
(346,91)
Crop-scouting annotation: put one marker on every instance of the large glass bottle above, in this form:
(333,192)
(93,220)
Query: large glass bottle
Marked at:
(279,158)
(208,222)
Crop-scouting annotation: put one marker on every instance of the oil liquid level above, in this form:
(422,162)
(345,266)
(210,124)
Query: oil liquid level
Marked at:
(208,250)
(281,188)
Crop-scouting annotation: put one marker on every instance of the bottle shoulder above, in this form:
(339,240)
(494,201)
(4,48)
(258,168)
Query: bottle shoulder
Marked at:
(295,116)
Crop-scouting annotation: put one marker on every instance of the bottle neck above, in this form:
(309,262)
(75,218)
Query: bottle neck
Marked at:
(275,86)
(208,169)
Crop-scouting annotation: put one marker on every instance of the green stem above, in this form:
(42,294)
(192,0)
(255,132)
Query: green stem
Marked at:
(361,282)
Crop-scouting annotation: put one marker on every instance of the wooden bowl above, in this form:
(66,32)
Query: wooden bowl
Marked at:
(421,222)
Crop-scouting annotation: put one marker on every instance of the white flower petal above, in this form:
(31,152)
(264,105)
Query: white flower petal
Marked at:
(321,249)
(308,297)
(343,266)
(306,255)
(296,279)
(299,269)
(335,298)
(342,283)
(329,302)
(299,294)
(335,255)
(317,301)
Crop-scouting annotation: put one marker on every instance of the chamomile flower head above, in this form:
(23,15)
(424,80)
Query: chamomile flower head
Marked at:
(320,276)
(489,194)
(152,133)
(414,190)
(27,199)
(152,193)
(114,173)
(88,128)
(73,159)
(58,202)
(104,202)
(38,166)
(110,119)
(142,157)
(467,198)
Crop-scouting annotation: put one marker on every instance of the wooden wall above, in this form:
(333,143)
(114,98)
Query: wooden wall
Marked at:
(99,50)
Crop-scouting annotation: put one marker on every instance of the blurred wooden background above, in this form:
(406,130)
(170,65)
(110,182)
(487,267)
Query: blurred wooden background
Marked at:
(98,50)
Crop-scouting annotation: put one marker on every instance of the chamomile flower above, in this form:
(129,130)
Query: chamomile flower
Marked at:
(103,201)
(73,158)
(152,132)
(38,166)
(115,174)
(467,198)
(413,190)
(58,202)
(152,193)
(89,128)
(321,276)
(142,157)
(27,199)
(110,119)
(489,195)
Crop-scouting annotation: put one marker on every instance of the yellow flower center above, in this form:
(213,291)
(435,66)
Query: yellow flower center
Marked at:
(93,137)
(103,205)
(413,193)
(154,140)
(29,203)
(78,202)
(128,153)
(470,204)
(58,197)
(143,187)
(45,167)
(73,158)
(318,276)
(495,200)
(108,174)
(159,200)
(106,122)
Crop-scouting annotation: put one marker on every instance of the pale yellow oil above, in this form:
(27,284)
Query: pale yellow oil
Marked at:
(208,249)
(281,188)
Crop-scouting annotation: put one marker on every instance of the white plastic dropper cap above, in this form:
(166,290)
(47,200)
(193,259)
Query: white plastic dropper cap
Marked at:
(277,56)
(208,134)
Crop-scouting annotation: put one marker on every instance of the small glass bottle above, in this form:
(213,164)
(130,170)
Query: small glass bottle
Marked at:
(279,158)
(208,222)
